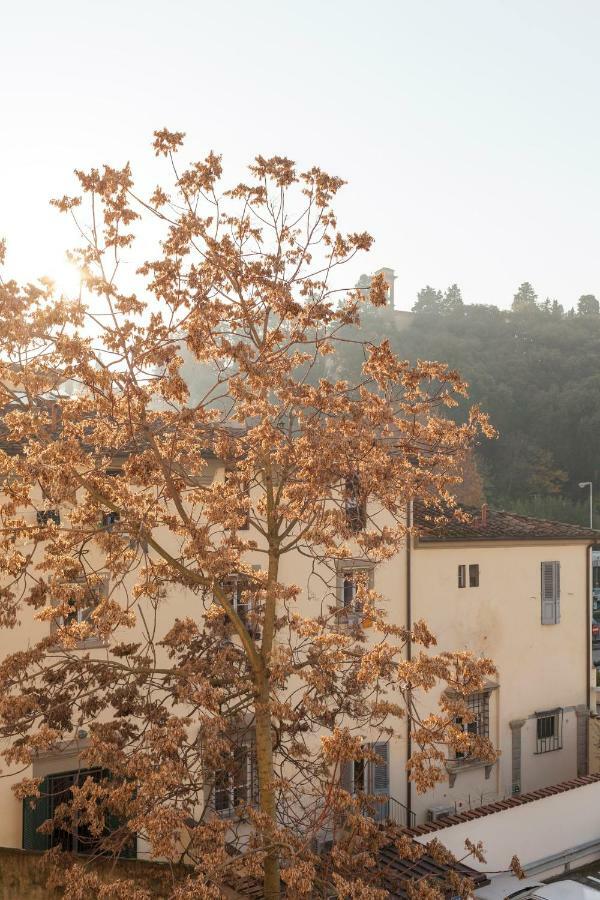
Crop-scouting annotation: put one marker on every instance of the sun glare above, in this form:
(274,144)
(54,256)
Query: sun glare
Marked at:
(67,280)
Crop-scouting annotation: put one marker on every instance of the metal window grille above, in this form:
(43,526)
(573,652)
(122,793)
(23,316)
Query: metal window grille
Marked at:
(239,593)
(462,576)
(236,784)
(479,706)
(474,575)
(549,730)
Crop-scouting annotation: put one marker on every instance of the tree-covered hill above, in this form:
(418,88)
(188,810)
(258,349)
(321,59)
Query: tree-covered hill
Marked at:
(536,370)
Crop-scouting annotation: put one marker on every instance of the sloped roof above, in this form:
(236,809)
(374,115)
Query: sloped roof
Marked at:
(397,873)
(494,525)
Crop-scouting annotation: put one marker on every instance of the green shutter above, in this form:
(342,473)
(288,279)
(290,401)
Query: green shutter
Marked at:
(36,810)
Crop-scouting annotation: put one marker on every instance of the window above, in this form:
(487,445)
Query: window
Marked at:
(348,577)
(355,505)
(550,592)
(352,606)
(473,575)
(239,592)
(110,518)
(549,730)
(85,599)
(362,776)
(48,515)
(54,790)
(236,784)
(479,706)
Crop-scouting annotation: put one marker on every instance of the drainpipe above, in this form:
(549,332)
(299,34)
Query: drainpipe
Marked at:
(409,521)
(588,619)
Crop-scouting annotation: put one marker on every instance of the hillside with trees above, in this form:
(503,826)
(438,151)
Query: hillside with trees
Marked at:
(534,369)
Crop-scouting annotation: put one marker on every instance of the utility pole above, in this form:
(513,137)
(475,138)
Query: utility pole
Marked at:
(583,484)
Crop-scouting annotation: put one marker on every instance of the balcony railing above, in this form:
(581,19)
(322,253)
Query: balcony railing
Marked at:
(392,812)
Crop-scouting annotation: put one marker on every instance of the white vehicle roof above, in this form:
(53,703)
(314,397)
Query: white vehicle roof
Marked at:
(566,890)
(502,886)
(509,887)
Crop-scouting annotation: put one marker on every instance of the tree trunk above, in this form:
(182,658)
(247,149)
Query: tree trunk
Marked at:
(264,764)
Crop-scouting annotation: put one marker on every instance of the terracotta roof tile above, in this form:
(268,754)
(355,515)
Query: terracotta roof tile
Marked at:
(493,525)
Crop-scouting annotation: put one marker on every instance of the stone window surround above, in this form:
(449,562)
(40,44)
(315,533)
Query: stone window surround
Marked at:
(455,767)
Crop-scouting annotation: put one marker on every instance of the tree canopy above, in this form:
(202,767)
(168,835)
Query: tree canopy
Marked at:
(313,466)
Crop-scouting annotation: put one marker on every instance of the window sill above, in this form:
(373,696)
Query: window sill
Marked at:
(233,812)
(89,644)
(455,766)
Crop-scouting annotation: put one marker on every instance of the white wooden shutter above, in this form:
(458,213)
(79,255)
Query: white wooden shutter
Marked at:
(550,593)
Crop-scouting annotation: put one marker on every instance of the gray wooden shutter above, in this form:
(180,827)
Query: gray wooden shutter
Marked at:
(550,593)
(380,778)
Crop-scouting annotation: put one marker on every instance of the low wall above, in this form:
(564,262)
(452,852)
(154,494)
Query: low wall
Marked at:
(540,833)
(24,875)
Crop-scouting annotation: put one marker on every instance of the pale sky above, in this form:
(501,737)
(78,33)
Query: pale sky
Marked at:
(469,130)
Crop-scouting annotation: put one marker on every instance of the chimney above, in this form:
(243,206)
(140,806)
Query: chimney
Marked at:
(484,515)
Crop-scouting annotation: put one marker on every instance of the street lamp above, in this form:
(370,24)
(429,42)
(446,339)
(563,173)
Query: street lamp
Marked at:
(583,484)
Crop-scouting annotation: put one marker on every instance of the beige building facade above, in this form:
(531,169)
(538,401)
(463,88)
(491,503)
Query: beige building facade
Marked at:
(508,587)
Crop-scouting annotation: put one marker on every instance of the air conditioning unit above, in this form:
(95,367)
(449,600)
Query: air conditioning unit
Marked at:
(437,812)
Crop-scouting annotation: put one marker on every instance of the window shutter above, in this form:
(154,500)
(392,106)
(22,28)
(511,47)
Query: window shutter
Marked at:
(550,593)
(381,770)
(380,779)
(36,810)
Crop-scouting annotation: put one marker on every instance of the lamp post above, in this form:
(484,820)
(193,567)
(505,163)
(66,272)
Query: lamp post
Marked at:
(583,484)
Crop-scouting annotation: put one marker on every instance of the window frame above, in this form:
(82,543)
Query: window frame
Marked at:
(37,810)
(462,576)
(82,614)
(236,581)
(548,743)
(248,787)
(479,704)
(43,516)
(345,570)
(473,575)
